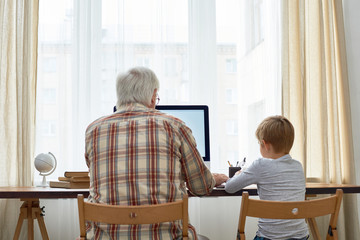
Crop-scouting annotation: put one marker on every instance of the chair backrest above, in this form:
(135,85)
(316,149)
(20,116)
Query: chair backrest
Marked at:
(133,215)
(308,209)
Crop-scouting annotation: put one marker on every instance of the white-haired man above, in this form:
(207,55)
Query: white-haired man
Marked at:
(139,155)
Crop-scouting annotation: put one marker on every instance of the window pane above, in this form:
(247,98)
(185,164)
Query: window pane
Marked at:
(83,45)
(248,72)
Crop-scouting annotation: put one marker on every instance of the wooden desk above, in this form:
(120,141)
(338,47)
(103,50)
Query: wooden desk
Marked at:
(31,210)
(311,189)
(48,193)
(41,192)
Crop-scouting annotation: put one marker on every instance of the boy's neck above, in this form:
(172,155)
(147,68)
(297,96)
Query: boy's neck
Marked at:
(268,151)
(276,155)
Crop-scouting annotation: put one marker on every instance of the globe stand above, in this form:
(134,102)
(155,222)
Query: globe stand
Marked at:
(43,183)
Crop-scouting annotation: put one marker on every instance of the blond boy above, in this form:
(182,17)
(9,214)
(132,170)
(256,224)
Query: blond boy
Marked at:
(278,177)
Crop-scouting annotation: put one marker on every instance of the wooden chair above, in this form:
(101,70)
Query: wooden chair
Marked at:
(133,215)
(308,209)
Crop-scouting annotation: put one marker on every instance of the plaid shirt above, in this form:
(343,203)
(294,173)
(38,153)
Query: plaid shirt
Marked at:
(140,156)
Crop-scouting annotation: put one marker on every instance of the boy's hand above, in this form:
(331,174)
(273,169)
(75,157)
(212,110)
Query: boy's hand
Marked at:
(238,172)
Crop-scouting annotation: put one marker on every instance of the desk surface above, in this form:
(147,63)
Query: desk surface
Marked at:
(311,188)
(46,192)
(40,192)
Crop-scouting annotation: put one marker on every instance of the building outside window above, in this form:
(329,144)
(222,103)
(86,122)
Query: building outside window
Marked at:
(49,64)
(232,127)
(231,96)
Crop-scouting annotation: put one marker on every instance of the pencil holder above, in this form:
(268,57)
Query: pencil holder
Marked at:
(233,170)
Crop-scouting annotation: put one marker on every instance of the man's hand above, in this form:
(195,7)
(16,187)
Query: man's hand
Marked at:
(220,178)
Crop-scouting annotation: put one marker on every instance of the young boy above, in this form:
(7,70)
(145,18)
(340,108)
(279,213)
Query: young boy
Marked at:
(278,178)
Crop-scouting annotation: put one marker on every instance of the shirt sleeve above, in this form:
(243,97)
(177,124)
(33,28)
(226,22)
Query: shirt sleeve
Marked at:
(88,146)
(245,178)
(198,177)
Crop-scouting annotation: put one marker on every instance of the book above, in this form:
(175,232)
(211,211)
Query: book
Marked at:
(65,184)
(74,179)
(76,174)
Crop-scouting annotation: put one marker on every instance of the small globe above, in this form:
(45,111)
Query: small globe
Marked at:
(45,163)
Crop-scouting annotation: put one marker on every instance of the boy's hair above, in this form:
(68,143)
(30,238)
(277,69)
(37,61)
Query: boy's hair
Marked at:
(278,131)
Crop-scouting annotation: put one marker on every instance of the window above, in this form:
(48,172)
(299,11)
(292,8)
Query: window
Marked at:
(143,61)
(231,96)
(47,128)
(49,64)
(48,95)
(232,157)
(254,12)
(232,127)
(170,67)
(231,65)
(203,52)
(197,52)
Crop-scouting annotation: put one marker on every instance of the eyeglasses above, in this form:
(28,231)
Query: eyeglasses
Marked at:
(157,99)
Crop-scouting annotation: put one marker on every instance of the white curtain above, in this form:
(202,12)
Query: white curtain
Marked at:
(225,54)
(18,56)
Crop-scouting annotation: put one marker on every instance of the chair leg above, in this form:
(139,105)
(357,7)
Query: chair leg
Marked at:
(334,235)
(242,236)
(313,228)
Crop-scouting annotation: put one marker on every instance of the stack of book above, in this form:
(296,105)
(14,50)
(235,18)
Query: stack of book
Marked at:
(72,179)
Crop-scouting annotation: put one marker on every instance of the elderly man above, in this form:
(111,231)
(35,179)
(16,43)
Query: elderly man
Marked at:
(139,155)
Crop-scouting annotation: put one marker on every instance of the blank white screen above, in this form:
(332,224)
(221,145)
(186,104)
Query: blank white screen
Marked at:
(194,119)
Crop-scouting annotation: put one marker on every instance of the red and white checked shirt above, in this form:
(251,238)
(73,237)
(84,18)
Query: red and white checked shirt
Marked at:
(140,156)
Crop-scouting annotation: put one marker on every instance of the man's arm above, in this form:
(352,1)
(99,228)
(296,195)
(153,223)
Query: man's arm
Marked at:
(198,177)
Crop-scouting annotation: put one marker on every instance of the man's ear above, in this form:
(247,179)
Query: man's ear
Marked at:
(153,99)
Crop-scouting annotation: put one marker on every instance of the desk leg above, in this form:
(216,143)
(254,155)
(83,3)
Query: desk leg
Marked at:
(22,216)
(30,210)
(42,226)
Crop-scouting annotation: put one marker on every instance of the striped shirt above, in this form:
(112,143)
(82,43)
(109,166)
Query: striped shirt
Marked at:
(140,156)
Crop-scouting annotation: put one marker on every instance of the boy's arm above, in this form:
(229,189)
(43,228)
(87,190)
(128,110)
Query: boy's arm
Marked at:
(244,178)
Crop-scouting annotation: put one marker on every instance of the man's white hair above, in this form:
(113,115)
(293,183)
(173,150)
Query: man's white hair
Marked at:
(137,85)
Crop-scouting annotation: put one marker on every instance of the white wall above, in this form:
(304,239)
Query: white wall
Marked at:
(352,37)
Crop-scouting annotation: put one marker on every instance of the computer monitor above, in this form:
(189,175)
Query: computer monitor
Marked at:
(196,117)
